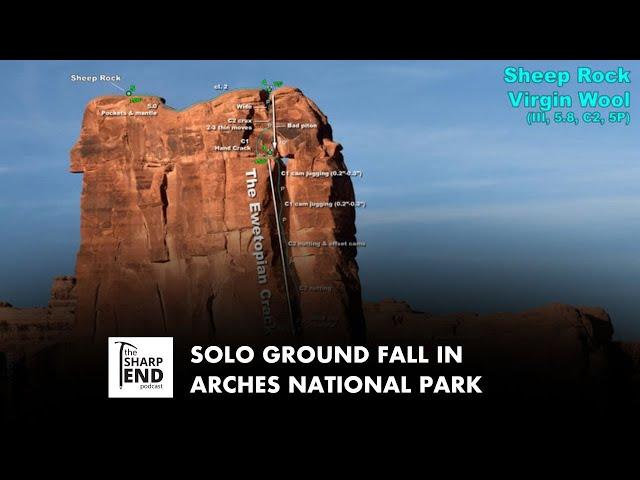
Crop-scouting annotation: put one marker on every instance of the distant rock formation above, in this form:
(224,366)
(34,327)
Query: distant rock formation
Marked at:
(26,330)
(168,242)
(555,342)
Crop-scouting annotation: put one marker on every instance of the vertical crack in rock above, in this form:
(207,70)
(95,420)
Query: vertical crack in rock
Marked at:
(146,233)
(165,205)
(291,265)
(162,309)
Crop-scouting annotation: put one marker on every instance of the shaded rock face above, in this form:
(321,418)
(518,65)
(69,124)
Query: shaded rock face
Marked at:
(26,330)
(630,362)
(167,240)
(554,343)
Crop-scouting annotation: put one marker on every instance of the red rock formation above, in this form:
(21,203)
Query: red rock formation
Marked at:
(27,330)
(554,342)
(166,230)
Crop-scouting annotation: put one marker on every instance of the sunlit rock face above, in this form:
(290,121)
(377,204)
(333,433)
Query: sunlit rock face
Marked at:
(178,226)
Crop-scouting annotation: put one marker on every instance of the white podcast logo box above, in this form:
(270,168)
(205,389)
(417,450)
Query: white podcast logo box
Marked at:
(140,367)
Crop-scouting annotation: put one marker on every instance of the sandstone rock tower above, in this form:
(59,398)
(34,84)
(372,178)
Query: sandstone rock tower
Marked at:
(169,245)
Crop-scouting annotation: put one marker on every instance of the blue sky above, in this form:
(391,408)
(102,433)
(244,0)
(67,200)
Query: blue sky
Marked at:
(467,206)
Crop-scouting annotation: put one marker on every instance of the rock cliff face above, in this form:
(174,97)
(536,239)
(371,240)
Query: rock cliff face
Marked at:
(555,342)
(168,241)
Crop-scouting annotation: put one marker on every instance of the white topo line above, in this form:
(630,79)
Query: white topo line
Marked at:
(275,208)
